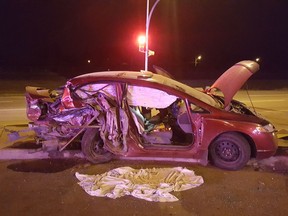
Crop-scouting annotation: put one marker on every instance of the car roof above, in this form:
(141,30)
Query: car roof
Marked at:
(141,78)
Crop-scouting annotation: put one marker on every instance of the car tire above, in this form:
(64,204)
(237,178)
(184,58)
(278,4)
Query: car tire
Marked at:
(230,151)
(92,147)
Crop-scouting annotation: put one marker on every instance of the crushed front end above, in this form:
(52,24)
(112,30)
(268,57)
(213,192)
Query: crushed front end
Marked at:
(49,118)
(59,116)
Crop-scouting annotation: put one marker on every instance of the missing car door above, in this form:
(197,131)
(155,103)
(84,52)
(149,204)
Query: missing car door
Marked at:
(161,119)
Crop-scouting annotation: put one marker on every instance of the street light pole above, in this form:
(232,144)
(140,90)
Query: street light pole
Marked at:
(148,18)
(146,36)
(197,60)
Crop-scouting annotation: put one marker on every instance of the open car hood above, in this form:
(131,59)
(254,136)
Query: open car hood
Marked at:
(234,78)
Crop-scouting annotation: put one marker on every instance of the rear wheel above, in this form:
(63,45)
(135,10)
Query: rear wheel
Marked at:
(93,147)
(230,151)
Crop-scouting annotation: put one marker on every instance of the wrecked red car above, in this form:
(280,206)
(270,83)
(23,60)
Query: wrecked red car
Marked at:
(147,116)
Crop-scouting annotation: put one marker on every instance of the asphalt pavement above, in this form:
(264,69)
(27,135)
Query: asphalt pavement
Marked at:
(36,186)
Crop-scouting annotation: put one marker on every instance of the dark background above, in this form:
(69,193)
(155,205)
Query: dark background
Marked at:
(61,35)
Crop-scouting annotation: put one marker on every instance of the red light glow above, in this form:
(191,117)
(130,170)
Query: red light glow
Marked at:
(141,40)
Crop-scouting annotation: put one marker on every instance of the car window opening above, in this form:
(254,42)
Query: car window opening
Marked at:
(168,126)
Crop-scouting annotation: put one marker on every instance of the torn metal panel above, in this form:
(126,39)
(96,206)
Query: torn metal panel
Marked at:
(66,99)
(63,125)
(114,134)
(89,90)
(39,92)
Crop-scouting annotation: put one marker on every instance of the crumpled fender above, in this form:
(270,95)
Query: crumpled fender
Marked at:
(39,93)
(234,78)
(67,101)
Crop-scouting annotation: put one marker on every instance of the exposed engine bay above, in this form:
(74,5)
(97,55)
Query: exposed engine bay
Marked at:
(235,106)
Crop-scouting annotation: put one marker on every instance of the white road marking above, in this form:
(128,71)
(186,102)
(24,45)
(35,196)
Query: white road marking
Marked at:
(269,95)
(12,109)
(274,111)
(282,100)
(6,101)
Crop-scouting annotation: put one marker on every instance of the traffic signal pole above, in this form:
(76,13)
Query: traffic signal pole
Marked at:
(148,18)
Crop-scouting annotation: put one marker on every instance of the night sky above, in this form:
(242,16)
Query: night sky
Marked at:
(61,35)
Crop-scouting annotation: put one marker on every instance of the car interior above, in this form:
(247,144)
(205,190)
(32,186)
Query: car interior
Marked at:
(161,119)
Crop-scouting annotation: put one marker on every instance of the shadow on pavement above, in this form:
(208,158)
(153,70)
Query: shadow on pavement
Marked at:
(46,165)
